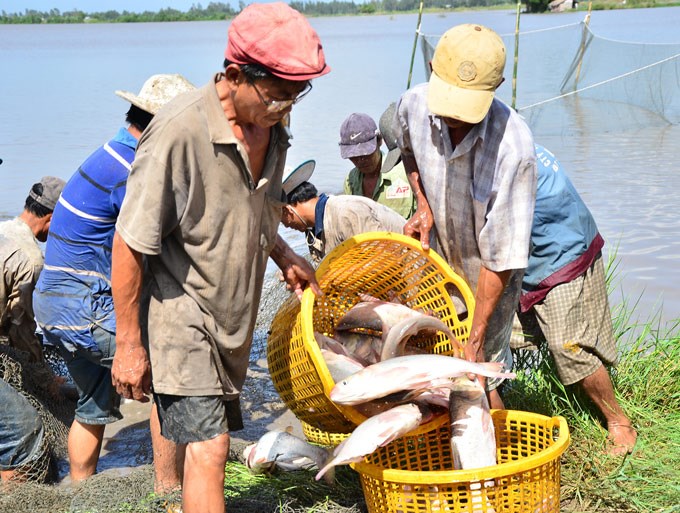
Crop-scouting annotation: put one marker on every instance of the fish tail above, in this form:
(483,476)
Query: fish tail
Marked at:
(327,470)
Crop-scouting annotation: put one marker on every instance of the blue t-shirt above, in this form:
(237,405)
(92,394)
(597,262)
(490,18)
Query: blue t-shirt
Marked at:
(564,236)
(74,288)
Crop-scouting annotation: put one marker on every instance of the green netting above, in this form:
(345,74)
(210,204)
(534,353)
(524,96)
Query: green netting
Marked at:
(570,79)
(35,381)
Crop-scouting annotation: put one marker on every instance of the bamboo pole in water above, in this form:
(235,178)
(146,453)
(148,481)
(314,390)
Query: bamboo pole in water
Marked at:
(514,68)
(415,44)
(583,49)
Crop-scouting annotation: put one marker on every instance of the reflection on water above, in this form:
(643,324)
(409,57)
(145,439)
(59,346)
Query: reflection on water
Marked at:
(622,160)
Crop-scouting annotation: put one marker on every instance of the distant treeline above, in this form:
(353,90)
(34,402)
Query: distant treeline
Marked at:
(221,11)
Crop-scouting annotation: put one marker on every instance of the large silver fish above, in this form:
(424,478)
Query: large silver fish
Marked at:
(285,451)
(375,315)
(340,366)
(375,432)
(473,438)
(399,334)
(414,372)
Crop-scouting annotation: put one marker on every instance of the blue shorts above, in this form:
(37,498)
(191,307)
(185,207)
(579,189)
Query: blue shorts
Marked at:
(98,401)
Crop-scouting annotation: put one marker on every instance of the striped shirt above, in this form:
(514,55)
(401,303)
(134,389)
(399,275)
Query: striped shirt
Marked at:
(74,289)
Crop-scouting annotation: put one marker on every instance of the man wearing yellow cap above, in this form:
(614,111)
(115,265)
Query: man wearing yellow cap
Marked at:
(471,162)
(203,204)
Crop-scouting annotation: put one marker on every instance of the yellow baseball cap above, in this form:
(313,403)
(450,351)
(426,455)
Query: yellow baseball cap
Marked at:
(467,67)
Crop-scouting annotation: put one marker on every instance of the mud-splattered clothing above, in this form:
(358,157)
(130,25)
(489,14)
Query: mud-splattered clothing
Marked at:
(342,217)
(207,230)
(482,195)
(392,190)
(22,260)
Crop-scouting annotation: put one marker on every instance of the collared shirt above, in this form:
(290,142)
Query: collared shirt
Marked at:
(564,236)
(22,260)
(345,216)
(74,289)
(207,229)
(482,192)
(392,190)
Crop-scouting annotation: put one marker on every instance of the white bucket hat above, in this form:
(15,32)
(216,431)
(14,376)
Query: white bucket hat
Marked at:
(157,91)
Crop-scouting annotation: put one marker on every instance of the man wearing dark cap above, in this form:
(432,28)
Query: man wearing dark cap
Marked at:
(379,177)
(471,161)
(203,205)
(73,301)
(22,261)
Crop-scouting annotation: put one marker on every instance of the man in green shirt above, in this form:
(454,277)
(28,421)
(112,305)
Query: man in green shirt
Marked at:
(381,178)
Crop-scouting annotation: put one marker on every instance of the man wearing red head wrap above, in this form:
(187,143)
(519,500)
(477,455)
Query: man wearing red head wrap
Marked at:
(203,205)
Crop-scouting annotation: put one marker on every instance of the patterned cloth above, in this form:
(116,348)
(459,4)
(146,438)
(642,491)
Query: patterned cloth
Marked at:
(482,195)
(575,321)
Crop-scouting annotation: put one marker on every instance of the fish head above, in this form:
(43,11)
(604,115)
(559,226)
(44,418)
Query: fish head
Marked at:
(466,388)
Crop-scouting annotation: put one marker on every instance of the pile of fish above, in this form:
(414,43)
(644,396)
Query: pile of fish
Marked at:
(397,387)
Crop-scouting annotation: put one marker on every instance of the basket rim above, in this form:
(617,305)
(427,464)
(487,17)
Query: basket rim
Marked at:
(436,477)
(307,308)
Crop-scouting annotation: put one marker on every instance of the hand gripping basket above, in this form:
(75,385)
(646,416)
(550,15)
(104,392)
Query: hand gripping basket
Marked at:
(414,473)
(384,265)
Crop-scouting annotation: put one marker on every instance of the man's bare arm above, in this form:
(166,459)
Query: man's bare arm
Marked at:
(131,371)
(490,286)
(420,224)
(297,272)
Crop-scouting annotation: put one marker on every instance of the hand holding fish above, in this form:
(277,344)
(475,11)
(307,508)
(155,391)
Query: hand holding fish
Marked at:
(297,272)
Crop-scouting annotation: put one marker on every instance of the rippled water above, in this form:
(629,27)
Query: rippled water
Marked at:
(57,105)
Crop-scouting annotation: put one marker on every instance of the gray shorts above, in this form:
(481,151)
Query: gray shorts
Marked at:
(575,322)
(187,419)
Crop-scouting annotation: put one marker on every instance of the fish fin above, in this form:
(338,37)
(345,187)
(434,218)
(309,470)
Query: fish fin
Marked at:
(495,370)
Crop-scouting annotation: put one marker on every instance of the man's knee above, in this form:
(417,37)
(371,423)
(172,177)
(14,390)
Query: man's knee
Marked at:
(208,453)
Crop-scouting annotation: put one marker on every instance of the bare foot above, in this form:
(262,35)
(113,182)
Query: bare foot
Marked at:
(623,437)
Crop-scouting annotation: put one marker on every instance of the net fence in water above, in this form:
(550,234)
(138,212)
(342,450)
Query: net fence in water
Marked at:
(570,79)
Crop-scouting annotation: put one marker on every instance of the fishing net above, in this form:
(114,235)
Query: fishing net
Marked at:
(35,382)
(571,80)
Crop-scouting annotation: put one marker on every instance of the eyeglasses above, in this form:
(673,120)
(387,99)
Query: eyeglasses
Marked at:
(279,105)
(304,223)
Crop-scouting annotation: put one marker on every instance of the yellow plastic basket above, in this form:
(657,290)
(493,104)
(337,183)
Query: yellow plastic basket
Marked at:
(414,474)
(384,265)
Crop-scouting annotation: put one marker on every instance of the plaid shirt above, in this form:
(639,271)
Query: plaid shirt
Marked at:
(482,192)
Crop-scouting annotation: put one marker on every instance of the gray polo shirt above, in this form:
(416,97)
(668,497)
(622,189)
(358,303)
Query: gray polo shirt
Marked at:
(192,207)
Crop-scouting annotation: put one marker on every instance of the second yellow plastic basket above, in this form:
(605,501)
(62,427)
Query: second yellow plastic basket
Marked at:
(414,474)
(385,265)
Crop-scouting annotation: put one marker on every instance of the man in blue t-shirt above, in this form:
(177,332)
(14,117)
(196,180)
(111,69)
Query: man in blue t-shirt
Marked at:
(72,299)
(564,296)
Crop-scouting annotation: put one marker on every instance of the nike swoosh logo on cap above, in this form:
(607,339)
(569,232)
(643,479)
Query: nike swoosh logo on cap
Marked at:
(354,136)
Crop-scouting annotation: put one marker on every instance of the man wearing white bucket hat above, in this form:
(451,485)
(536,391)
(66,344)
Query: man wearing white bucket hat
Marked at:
(471,162)
(72,300)
(327,220)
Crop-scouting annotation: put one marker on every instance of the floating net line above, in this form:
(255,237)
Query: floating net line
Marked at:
(570,79)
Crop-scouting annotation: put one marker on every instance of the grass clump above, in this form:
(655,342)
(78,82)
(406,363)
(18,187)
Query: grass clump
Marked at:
(647,385)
